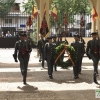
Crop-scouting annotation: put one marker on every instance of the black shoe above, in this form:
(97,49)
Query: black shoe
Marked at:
(76,77)
(24,83)
(96,82)
(50,76)
(56,70)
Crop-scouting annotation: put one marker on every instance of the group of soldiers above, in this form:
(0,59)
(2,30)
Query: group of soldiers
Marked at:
(46,48)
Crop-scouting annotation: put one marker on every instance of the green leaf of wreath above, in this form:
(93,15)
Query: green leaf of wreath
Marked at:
(68,63)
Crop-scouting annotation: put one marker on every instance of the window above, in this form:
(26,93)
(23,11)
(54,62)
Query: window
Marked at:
(8,21)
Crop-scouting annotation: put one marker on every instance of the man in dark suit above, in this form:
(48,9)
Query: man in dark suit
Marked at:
(23,48)
(49,56)
(78,46)
(92,52)
(40,47)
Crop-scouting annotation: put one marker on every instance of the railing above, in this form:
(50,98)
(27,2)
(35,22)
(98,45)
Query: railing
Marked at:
(10,42)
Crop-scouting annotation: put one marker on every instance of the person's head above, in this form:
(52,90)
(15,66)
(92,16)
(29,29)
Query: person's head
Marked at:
(54,38)
(22,36)
(49,39)
(76,37)
(94,35)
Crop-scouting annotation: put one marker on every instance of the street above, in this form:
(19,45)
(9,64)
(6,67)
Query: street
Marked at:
(39,86)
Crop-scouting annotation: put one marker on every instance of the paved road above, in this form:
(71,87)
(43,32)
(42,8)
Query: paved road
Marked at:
(39,86)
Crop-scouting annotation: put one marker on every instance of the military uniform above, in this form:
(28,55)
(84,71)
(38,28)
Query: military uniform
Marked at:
(83,43)
(78,46)
(40,46)
(49,56)
(55,44)
(23,49)
(92,52)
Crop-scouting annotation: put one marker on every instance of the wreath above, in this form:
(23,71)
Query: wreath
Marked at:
(70,51)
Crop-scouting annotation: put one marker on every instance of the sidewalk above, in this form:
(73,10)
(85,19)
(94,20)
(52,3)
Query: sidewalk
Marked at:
(39,86)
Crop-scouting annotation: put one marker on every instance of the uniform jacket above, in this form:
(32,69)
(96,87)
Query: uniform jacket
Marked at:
(40,45)
(22,47)
(49,51)
(79,48)
(92,47)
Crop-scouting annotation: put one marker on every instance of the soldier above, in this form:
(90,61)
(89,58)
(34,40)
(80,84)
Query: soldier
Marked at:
(55,43)
(83,42)
(49,56)
(92,52)
(78,46)
(23,49)
(40,46)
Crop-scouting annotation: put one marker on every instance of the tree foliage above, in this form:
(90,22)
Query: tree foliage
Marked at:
(5,7)
(71,7)
(28,6)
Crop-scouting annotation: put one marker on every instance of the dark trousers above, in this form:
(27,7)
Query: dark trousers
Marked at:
(80,66)
(23,59)
(95,59)
(76,67)
(50,66)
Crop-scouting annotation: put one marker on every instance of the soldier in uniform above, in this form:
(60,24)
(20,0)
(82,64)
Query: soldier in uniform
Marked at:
(83,42)
(55,43)
(49,56)
(22,49)
(92,52)
(40,46)
(78,46)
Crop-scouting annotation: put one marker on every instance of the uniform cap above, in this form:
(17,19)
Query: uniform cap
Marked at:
(49,37)
(54,36)
(76,35)
(94,33)
(22,34)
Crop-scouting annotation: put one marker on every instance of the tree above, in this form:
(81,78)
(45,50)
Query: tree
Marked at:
(71,8)
(5,7)
(28,6)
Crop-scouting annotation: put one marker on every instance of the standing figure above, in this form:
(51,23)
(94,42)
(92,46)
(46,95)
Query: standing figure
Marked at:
(40,47)
(22,49)
(92,52)
(55,44)
(83,42)
(78,46)
(49,56)
(8,34)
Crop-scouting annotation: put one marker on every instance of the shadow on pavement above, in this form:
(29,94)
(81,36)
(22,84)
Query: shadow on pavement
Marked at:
(28,88)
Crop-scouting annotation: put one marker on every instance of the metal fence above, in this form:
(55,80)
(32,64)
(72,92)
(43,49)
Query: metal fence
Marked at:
(58,27)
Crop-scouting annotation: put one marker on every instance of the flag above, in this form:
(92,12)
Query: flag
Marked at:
(82,21)
(44,27)
(94,14)
(29,21)
(54,13)
(34,12)
(45,9)
(65,19)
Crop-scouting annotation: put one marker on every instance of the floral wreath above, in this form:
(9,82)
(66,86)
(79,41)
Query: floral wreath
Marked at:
(71,54)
